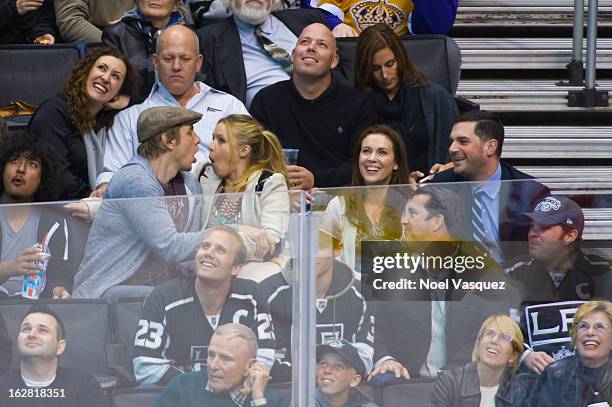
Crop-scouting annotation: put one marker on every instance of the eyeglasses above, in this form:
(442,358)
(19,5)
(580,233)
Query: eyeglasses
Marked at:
(597,327)
(491,334)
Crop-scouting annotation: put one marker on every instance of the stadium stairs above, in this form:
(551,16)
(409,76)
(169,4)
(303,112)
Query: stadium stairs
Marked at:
(514,57)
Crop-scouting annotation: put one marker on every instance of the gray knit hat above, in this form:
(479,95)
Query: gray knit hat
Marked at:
(157,120)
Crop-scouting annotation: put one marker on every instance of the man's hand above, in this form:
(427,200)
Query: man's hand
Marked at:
(537,361)
(25,6)
(117,103)
(99,191)
(45,39)
(344,30)
(390,366)
(24,261)
(436,168)
(79,210)
(257,380)
(264,242)
(300,177)
(60,293)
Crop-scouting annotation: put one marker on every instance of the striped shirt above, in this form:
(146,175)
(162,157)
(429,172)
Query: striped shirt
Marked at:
(122,140)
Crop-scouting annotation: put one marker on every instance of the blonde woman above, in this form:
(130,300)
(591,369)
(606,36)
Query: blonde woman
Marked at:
(495,357)
(247,170)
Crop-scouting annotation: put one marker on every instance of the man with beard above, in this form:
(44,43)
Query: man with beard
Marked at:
(266,40)
(30,174)
(556,271)
(136,244)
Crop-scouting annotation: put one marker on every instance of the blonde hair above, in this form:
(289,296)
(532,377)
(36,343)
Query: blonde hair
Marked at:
(588,308)
(266,152)
(507,326)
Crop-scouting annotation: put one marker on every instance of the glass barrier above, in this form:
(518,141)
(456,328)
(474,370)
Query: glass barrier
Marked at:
(202,262)
(461,279)
(390,282)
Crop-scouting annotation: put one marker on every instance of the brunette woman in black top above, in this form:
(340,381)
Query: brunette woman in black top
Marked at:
(74,123)
(421,111)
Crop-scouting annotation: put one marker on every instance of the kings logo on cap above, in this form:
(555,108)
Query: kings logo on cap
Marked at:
(549,203)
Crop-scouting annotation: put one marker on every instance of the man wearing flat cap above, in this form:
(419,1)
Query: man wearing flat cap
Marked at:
(554,276)
(339,372)
(137,244)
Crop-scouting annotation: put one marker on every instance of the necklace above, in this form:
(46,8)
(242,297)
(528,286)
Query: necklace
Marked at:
(228,208)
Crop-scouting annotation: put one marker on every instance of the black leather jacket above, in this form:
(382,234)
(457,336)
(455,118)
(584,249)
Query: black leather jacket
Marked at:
(459,387)
(569,383)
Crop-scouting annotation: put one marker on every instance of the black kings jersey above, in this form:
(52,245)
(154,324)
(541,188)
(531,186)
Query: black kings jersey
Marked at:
(344,314)
(173,332)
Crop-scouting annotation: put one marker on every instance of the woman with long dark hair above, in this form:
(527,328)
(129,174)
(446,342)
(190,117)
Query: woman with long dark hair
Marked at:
(75,122)
(420,110)
(373,211)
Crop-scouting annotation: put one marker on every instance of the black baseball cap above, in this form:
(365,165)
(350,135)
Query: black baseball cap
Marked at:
(346,351)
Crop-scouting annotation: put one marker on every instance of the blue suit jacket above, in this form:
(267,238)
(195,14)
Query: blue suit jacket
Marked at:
(515,198)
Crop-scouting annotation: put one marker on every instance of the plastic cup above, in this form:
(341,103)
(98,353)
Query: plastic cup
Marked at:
(291,155)
(34,284)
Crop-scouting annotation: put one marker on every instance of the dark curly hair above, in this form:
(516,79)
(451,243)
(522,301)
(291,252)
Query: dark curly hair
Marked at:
(18,143)
(76,98)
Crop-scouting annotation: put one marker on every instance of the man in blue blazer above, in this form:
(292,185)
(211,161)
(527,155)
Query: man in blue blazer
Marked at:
(475,149)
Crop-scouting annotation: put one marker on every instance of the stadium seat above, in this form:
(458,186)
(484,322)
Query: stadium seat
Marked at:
(418,391)
(88,331)
(370,391)
(126,312)
(438,56)
(138,397)
(282,389)
(33,73)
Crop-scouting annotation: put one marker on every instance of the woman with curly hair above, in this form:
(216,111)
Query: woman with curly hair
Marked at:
(248,174)
(372,212)
(135,35)
(421,111)
(75,122)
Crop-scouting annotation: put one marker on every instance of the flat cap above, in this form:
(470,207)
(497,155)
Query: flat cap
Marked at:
(159,119)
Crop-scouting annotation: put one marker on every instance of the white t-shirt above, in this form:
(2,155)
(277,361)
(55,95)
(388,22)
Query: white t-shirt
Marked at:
(37,385)
(487,396)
